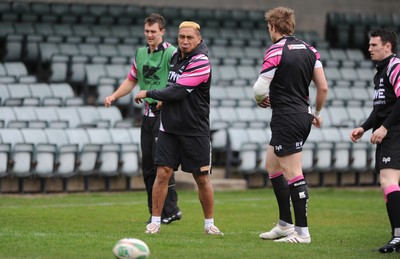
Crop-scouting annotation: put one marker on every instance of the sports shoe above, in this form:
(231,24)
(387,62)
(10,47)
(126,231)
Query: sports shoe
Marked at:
(294,238)
(277,232)
(152,228)
(213,230)
(176,216)
(393,245)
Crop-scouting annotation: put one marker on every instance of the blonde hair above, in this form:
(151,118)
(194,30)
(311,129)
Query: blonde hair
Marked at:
(189,24)
(282,19)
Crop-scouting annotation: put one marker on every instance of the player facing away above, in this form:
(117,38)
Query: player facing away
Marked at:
(384,121)
(184,138)
(150,71)
(288,68)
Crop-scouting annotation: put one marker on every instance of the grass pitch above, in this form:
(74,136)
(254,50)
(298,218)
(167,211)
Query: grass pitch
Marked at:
(344,223)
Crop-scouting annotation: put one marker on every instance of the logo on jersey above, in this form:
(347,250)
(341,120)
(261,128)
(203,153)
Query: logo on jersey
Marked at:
(379,96)
(278,148)
(150,72)
(386,160)
(379,93)
(299,144)
(173,76)
(381,82)
(296,46)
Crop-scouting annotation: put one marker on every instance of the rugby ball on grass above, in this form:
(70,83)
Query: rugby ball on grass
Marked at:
(131,248)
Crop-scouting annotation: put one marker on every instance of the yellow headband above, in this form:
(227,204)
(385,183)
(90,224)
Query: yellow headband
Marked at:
(189,24)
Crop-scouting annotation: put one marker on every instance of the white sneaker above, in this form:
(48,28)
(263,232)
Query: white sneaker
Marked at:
(213,230)
(152,228)
(295,238)
(277,232)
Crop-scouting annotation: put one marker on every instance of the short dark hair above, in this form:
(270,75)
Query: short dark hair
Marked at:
(155,18)
(386,36)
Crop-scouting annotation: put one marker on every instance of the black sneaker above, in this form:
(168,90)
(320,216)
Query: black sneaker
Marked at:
(392,246)
(176,216)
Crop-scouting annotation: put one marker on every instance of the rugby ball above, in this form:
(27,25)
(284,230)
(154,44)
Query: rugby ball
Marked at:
(131,248)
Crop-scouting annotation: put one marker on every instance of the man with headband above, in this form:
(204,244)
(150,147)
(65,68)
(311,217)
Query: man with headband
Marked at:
(184,138)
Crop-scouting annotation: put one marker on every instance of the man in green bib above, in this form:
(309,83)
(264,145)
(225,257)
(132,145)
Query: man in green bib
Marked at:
(150,71)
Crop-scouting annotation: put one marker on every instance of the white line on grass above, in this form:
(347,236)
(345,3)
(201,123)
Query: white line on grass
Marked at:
(109,204)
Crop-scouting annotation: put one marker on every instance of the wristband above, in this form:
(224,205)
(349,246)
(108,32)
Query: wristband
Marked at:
(317,114)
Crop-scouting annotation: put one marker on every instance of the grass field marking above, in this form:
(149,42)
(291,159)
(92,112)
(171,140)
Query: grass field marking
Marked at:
(107,204)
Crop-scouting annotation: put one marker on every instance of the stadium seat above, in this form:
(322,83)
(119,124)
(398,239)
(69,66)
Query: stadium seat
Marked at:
(5,158)
(90,117)
(339,116)
(111,114)
(6,115)
(66,159)
(69,114)
(247,115)
(21,155)
(322,153)
(47,114)
(341,161)
(25,113)
(44,152)
(248,159)
(109,155)
(47,50)
(88,153)
(236,138)
(228,115)
(13,48)
(130,153)
(62,90)
(343,96)
(16,69)
(308,157)
(40,91)
(4,94)
(19,92)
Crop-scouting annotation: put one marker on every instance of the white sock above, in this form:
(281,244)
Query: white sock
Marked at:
(302,231)
(208,222)
(155,219)
(284,223)
(396,232)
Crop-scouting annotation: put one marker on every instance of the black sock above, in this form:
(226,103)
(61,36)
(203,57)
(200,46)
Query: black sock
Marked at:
(282,194)
(393,210)
(299,195)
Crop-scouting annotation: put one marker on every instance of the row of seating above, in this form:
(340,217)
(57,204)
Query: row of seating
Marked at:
(13,72)
(328,149)
(120,14)
(47,153)
(349,29)
(63,117)
(255,117)
(38,94)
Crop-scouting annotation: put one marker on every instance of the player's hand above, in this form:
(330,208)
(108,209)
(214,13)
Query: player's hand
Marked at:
(317,121)
(159,105)
(140,95)
(356,134)
(109,100)
(378,135)
(264,103)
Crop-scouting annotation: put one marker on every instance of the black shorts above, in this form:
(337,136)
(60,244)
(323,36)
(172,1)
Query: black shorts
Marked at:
(388,152)
(193,153)
(289,132)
